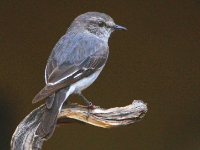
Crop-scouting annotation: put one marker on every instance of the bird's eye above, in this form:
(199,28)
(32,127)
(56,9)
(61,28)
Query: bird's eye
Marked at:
(101,23)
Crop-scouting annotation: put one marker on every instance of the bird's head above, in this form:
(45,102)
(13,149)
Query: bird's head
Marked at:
(99,24)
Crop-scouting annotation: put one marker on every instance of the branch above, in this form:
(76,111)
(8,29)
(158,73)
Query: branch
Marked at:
(24,137)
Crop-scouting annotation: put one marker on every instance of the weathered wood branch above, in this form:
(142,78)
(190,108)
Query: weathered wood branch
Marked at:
(24,137)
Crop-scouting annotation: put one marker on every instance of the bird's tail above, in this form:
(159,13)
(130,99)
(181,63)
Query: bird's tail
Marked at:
(48,123)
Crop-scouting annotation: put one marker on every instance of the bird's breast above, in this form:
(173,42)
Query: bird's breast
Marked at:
(84,83)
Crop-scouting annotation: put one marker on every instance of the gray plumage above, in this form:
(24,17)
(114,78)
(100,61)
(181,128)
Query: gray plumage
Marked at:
(74,64)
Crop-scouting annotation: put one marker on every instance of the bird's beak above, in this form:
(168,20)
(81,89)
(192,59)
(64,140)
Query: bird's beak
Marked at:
(118,27)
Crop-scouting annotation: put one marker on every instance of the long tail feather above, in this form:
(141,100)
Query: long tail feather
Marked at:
(48,122)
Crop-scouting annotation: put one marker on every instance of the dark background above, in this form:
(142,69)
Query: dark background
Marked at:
(157,60)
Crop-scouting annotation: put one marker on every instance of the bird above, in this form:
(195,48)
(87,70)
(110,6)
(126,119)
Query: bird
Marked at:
(74,64)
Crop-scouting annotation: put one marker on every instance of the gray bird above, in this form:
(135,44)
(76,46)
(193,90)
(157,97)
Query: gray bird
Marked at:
(74,64)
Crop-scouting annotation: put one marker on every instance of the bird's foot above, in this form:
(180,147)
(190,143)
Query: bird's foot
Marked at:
(91,107)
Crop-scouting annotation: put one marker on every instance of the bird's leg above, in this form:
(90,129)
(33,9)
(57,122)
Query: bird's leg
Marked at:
(85,99)
(90,105)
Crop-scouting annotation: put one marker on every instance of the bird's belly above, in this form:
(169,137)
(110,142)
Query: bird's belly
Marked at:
(84,83)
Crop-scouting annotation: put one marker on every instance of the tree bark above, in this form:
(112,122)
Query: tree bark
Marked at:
(24,137)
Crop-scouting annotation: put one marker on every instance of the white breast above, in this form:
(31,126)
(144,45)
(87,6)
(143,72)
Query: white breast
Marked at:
(84,83)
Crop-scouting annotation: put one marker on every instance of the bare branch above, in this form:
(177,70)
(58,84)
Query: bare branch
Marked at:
(24,137)
(106,118)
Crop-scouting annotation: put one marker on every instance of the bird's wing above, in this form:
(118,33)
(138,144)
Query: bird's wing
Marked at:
(68,73)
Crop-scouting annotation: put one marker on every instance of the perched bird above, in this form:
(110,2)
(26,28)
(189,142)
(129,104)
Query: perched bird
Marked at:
(74,64)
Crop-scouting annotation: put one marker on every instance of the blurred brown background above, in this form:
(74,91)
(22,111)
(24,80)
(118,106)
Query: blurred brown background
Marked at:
(157,60)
